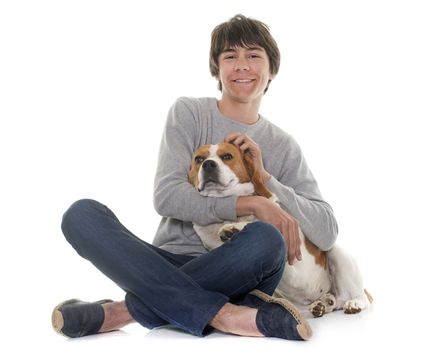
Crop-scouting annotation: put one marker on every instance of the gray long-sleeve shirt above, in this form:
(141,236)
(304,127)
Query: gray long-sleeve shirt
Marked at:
(193,122)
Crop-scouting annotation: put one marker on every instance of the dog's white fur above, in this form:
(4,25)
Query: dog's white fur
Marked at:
(314,288)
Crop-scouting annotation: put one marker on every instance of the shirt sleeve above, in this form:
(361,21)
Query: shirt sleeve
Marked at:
(174,196)
(299,195)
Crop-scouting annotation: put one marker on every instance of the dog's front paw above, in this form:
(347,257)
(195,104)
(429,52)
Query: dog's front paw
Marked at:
(317,308)
(227,231)
(324,305)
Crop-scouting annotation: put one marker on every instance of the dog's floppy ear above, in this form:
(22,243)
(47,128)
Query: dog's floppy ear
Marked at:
(260,188)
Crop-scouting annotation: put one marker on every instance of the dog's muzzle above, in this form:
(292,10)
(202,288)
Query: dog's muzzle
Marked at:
(210,172)
(209,166)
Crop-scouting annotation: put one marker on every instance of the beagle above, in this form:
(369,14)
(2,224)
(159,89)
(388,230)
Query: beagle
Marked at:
(318,284)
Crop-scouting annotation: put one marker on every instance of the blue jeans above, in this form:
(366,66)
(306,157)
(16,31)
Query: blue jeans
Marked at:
(164,288)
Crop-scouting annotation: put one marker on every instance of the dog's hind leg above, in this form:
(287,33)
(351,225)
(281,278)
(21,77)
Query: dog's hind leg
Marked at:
(347,285)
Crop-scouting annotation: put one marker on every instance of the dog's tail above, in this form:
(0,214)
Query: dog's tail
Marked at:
(369,297)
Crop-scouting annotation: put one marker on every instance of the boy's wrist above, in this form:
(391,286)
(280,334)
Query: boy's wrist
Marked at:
(247,205)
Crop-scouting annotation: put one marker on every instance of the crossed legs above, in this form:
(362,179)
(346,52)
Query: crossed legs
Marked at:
(165,288)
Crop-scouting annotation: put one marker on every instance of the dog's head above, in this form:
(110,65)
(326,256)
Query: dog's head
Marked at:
(221,170)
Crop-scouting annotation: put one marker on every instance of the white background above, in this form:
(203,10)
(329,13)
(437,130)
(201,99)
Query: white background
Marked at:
(85,87)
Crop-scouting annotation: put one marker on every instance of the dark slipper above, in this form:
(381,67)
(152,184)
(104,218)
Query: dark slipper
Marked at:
(279,318)
(76,318)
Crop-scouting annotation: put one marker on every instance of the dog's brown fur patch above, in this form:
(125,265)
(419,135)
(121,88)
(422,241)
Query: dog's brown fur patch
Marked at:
(320,256)
(260,188)
(236,163)
(203,151)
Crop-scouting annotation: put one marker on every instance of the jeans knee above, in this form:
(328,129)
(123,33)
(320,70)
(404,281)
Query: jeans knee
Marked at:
(76,216)
(267,242)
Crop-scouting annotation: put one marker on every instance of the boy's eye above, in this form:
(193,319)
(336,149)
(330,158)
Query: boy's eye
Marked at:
(199,159)
(227,156)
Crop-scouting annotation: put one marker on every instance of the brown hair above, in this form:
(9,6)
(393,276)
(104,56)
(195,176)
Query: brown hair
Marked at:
(241,31)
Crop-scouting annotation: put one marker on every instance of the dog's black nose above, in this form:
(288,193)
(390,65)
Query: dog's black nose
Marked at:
(209,166)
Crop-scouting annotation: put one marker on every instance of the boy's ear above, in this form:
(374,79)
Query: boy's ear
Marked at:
(260,188)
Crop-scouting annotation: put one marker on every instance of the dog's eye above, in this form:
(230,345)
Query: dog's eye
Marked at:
(227,156)
(199,159)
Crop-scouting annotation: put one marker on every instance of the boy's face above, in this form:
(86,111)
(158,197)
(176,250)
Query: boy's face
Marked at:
(244,73)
